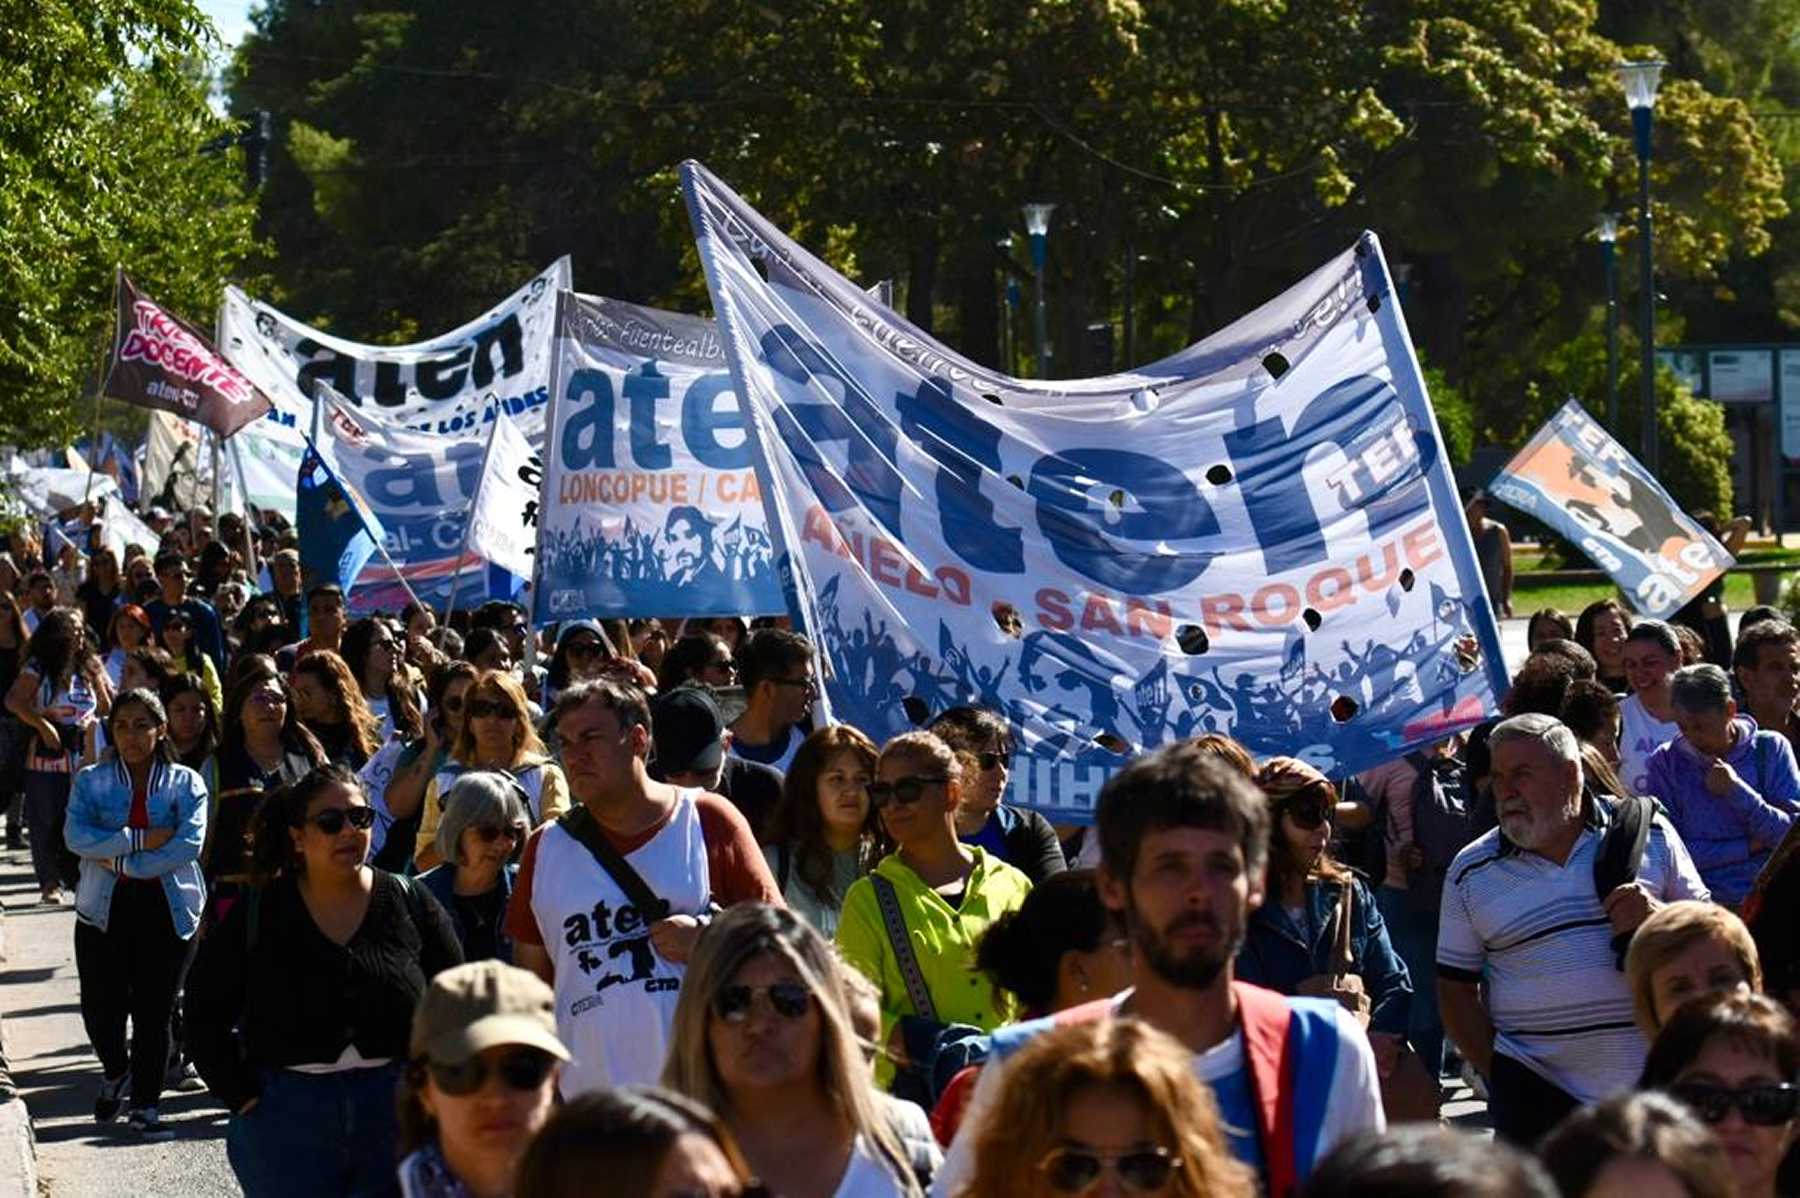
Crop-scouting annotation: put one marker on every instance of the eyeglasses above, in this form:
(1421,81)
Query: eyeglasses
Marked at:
(585,649)
(488,709)
(1767,1105)
(988,761)
(1306,816)
(521,1069)
(331,821)
(489,833)
(905,791)
(805,684)
(790,1000)
(1077,1170)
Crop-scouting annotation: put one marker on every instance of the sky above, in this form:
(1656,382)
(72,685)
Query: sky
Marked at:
(231,17)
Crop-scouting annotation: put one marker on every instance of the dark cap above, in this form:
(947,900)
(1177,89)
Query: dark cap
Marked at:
(687,731)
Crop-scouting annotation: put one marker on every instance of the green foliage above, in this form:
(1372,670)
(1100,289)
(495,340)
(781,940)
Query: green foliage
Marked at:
(1695,448)
(100,120)
(1455,417)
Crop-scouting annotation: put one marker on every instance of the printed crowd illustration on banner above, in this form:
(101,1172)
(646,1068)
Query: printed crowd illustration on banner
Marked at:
(651,502)
(1258,536)
(1574,477)
(416,422)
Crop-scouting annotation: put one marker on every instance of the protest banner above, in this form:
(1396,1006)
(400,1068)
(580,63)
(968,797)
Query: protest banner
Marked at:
(1258,536)
(159,360)
(650,501)
(502,523)
(447,385)
(1574,477)
(338,534)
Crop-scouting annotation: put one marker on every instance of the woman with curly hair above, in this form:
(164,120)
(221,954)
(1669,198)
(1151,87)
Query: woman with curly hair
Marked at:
(375,655)
(1107,1099)
(330,703)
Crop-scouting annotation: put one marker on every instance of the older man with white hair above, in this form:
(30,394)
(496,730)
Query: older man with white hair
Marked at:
(1522,914)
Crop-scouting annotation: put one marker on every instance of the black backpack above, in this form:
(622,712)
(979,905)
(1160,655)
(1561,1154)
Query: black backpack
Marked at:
(1447,814)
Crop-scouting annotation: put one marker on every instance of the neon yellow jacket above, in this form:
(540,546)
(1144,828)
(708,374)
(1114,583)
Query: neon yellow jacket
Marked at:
(943,940)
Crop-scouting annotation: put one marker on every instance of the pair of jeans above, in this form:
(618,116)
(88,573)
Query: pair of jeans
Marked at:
(1413,932)
(1523,1105)
(319,1133)
(46,808)
(131,970)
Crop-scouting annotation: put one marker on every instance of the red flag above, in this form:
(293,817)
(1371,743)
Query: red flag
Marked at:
(159,360)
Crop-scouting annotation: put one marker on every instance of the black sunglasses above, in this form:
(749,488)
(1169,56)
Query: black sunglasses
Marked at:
(1077,1170)
(905,791)
(789,1000)
(521,1069)
(489,833)
(487,708)
(584,648)
(1306,816)
(1767,1105)
(988,761)
(331,821)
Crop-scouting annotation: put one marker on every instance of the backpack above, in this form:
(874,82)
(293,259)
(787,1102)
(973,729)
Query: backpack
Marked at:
(1621,852)
(1447,814)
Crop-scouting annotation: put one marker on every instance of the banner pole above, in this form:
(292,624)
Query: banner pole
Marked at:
(218,496)
(99,388)
(462,550)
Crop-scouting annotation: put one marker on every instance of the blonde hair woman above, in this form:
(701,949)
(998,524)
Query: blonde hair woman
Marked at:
(1107,1098)
(1683,950)
(496,735)
(763,1037)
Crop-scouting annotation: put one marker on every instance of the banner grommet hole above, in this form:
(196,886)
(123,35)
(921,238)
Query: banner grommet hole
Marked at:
(993,399)
(1344,709)
(1192,639)
(1275,364)
(1374,303)
(1219,475)
(917,710)
(1407,579)
(1312,619)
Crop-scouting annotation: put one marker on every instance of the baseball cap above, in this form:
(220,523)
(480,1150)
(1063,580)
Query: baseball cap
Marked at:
(686,730)
(484,1004)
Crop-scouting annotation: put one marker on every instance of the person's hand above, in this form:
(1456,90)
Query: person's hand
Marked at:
(1387,1052)
(1628,906)
(155,838)
(1412,856)
(1468,651)
(674,938)
(1720,778)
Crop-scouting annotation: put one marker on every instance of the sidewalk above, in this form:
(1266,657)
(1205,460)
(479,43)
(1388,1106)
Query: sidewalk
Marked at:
(57,1074)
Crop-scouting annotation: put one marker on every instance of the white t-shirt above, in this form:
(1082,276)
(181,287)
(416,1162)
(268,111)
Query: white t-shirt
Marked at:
(867,1177)
(1641,735)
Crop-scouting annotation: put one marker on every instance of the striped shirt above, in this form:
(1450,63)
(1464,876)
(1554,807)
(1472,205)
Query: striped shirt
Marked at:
(1535,932)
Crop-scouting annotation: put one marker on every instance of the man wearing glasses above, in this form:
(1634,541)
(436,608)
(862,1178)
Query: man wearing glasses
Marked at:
(775,668)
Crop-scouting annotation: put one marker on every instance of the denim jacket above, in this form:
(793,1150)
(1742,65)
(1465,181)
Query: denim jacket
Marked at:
(1280,956)
(441,881)
(100,803)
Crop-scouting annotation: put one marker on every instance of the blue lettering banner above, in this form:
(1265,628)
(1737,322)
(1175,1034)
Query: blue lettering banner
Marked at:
(1574,477)
(1258,536)
(650,504)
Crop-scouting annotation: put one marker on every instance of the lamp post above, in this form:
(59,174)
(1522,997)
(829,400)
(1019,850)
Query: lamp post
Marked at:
(1003,247)
(1640,80)
(1037,223)
(1607,231)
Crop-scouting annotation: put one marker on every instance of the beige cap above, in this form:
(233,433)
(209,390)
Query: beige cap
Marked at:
(482,1005)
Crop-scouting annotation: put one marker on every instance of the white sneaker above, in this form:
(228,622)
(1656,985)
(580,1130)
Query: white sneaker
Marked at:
(147,1122)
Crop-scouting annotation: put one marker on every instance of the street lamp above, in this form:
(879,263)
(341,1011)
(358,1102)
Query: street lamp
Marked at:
(1003,247)
(1037,223)
(1607,230)
(1640,80)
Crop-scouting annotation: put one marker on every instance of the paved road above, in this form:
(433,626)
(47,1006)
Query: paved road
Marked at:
(57,1073)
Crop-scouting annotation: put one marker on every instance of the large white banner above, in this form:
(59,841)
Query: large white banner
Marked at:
(1258,536)
(650,500)
(503,522)
(444,385)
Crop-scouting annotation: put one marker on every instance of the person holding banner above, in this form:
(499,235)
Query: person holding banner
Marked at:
(497,734)
(776,670)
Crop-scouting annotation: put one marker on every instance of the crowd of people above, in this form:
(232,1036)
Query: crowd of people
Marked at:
(487,909)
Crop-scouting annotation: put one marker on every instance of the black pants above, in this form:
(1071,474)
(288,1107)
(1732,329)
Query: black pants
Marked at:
(131,969)
(46,807)
(1522,1104)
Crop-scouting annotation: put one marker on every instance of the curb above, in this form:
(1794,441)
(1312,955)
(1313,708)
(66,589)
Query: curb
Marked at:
(18,1152)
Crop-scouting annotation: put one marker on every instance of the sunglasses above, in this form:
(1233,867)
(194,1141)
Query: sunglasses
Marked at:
(521,1069)
(486,709)
(728,666)
(790,1000)
(988,761)
(1306,816)
(489,833)
(331,821)
(1768,1105)
(584,649)
(905,791)
(1077,1170)
(805,684)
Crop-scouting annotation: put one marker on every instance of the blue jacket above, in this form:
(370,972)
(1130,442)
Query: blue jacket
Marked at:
(1729,836)
(441,881)
(1279,956)
(100,803)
